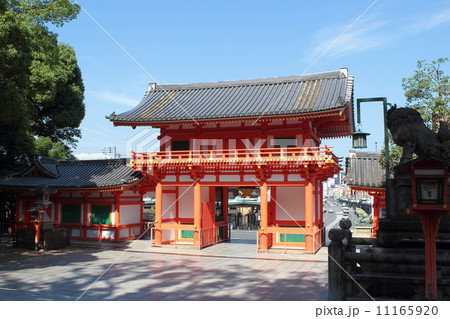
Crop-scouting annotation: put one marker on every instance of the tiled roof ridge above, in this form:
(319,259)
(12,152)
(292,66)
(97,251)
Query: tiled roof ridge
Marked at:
(249,82)
(44,170)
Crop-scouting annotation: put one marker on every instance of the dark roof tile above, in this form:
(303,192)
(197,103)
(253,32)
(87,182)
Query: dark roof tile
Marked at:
(279,96)
(74,174)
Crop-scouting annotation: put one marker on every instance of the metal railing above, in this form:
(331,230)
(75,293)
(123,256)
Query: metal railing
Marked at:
(317,237)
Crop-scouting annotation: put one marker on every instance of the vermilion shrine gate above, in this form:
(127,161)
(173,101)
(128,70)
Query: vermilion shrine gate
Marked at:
(262,133)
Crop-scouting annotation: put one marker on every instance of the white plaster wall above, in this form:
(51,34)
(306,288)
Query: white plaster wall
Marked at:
(205,194)
(113,215)
(170,178)
(209,178)
(251,178)
(230,178)
(92,233)
(299,138)
(276,178)
(295,178)
(169,205)
(186,202)
(108,234)
(75,232)
(168,234)
(185,178)
(130,214)
(130,193)
(292,202)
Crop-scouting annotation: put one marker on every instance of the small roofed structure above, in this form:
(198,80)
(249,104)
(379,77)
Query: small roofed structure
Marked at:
(95,199)
(364,173)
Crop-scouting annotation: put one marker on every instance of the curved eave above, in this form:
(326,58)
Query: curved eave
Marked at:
(299,116)
(83,188)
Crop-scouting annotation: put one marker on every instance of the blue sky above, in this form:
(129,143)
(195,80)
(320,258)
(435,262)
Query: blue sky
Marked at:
(200,41)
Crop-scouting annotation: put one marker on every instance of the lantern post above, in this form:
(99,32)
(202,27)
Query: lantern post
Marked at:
(359,138)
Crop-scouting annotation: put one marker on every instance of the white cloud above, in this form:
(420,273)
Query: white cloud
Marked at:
(372,31)
(426,22)
(363,36)
(116,98)
(92,156)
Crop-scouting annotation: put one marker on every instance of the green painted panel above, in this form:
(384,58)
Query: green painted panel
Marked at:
(187,233)
(293,238)
(71,214)
(101,215)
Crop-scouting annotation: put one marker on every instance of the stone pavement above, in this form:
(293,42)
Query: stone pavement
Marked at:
(135,271)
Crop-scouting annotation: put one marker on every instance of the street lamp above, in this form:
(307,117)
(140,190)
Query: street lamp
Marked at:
(360,138)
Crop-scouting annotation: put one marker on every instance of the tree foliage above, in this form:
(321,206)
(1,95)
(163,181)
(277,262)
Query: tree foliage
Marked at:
(428,91)
(41,89)
(395,153)
(44,146)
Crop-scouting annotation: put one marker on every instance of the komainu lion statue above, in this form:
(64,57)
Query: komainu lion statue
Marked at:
(410,132)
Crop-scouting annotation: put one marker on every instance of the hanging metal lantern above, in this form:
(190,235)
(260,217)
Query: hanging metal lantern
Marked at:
(360,139)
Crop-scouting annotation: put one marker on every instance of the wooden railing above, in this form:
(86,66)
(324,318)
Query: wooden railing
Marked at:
(207,236)
(321,155)
(130,230)
(317,237)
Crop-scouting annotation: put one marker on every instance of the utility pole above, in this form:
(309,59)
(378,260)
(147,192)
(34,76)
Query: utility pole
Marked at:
(110,150)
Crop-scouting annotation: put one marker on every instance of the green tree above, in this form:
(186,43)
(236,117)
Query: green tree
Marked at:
(41,90)
(428,91)
(395,153)
(46,147)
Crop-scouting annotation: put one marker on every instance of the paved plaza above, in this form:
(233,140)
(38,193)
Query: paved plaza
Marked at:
(135,271)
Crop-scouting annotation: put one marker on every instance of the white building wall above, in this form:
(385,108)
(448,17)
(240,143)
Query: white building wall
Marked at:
(290,203)
(186,202)
(169,205)
(130,214)
(205,194)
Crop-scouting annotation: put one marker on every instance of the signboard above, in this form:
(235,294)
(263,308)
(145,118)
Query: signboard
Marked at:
(430,191)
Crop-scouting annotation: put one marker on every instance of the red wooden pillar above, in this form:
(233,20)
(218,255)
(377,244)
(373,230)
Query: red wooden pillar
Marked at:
(56,203)
(264,240)
(18,208)
(141,216)
(197,213)
(316,205)
(83,229)
(430,224)
(321,204)
(309,213)
(117,215)
(376,212)
(225,210)
(158,214)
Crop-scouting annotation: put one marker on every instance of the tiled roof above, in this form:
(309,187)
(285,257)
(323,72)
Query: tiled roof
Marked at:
(73,174)
(363,169)
(281,96)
